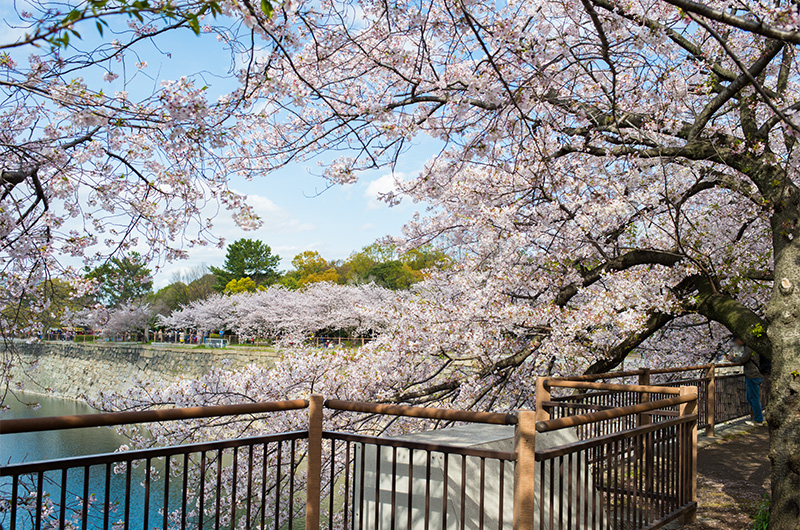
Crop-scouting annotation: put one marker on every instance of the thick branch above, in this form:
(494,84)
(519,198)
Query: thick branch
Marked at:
(748,117)
(732,89)
(15,177)
(625,261)
(720,307)
(618,353)
(753,26)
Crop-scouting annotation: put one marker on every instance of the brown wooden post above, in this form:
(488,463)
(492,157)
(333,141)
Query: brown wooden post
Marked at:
(644,397)
(314,461)
(711,399)
(542,395)
(690,480)
(524,472)
(647,449)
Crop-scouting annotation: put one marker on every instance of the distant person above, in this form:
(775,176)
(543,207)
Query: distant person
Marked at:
(752,377)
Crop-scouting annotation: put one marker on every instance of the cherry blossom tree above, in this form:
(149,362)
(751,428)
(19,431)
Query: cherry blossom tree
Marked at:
(288,315)
(91,164)
(130,317)
(615,170)
(615,175)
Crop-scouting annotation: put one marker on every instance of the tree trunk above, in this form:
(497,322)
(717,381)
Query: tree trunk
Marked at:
(783,414)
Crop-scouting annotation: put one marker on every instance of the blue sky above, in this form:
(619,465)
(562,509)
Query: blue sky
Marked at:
(298,209)
(336,222)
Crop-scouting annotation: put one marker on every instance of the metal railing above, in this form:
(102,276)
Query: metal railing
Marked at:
(392,483)
(631,464)
(721,393)
(203,485)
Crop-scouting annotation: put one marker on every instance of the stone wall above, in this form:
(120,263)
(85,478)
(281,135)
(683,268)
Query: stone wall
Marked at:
(75,370)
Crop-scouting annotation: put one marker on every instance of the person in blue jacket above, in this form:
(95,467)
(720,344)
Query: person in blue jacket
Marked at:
(752,377)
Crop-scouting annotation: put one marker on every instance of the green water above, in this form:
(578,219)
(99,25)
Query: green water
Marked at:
(51,445)
(48,445)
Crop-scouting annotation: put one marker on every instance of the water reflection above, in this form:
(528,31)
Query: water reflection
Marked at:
(48,445)
(96,490)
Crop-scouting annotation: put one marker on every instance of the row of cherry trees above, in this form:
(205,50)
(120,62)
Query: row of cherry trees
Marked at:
(288,314)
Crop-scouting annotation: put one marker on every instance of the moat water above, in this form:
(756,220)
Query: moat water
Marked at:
(50,445)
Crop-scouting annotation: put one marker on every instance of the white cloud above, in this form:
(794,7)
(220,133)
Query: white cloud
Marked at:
(276,218)
(384,184)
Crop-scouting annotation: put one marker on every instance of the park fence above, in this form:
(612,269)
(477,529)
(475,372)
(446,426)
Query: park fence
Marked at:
(564,465)
(613,450)
(720,388)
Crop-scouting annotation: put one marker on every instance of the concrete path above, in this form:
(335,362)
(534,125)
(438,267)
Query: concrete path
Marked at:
(733,476)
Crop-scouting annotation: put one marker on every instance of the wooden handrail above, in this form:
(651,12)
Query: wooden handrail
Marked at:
(572,447)
(564,383)
(53,423)
(595,377)
(590,417)
(631,373)
(495,418)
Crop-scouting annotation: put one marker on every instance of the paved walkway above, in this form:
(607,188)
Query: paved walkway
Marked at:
(733,476)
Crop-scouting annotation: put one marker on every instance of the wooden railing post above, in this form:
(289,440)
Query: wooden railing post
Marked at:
(644,397)
(524,472)
(314,461)
(689,486)
(711,399)
(542,395)
(647,449)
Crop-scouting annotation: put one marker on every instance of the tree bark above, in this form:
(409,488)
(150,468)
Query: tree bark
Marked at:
(783,414)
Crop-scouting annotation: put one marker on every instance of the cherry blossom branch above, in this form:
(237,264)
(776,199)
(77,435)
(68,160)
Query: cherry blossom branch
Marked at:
(630,259)
(720,307)
(673,35)
(748,76)
(751,78)
(758,27)
(613,357)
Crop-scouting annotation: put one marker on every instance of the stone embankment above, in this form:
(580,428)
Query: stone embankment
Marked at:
(72,371)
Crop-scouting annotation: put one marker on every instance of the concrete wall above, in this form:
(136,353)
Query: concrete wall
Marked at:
(570,504)
(75,370)
(441,510)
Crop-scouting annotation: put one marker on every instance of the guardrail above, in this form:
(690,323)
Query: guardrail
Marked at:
(177,486)
(633,465)
(606,471)
(721,392)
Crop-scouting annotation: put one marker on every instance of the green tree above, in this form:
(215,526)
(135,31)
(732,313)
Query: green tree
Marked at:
(310,267)
(248,258)
(355,269)
(423,258)
(171,296)
(392,274)
(121,280)
(186,287)
(199,288)
(30,311)
(381,263)
(242,285)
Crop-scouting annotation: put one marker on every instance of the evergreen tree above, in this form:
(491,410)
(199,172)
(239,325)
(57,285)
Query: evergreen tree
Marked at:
(248,258)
